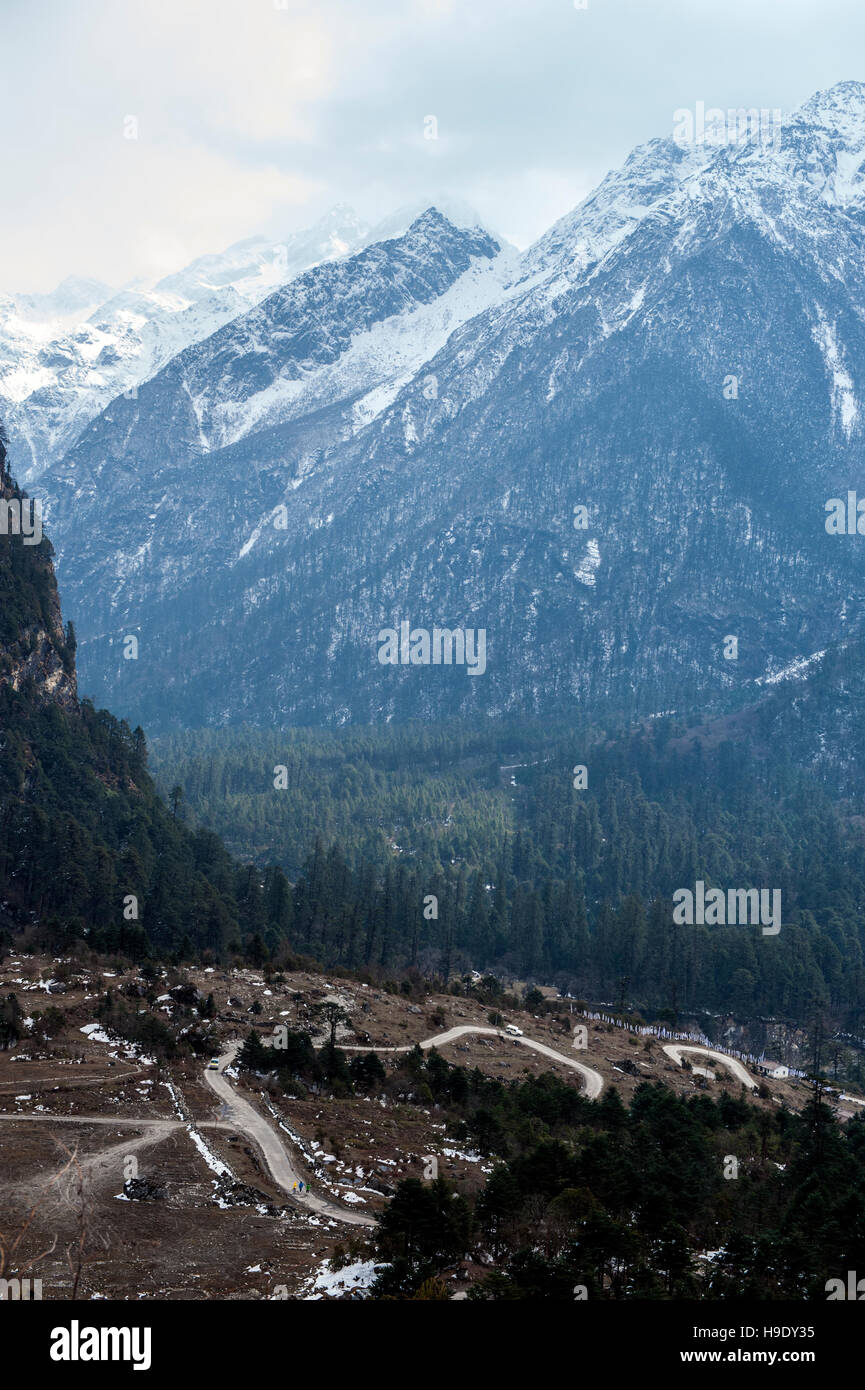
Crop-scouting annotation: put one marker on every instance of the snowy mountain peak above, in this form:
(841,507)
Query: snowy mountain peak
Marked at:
(65,355)
(429,227)
(814,154)
(455,210)
(256,265)
(840,110)
(684,352)
(434,237)
(823,147)
(651,173)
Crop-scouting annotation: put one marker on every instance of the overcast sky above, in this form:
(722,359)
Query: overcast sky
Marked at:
(258,115)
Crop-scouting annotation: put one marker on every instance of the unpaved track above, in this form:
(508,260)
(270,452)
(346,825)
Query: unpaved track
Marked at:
(106,1163)
(248,1120)
(593,1079)
(87,1119)
(73,1078)
(732,1064)
(115,1120)
(244,1117)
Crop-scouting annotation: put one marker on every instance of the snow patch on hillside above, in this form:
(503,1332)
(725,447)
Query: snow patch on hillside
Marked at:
(844,401)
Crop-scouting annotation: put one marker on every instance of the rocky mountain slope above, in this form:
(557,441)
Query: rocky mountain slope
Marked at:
(681,357)
(37,655)
(247,415)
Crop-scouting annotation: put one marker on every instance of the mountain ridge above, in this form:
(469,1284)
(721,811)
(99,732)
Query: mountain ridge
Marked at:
(726,290)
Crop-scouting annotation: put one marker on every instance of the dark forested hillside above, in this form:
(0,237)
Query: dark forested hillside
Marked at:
(599,1201)
(88,850)
(36,655)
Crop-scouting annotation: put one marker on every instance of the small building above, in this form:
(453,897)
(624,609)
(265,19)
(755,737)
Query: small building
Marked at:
(775,1070)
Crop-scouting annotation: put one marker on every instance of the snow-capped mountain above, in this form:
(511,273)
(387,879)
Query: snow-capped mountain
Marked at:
(683,357)
(65,355)
(336,334)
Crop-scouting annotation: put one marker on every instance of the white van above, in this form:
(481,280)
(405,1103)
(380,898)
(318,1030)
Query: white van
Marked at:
(514,1031)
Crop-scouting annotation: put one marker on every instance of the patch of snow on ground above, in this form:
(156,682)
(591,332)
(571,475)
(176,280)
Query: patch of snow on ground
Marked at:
(95,1033)
(795,671)
(843,396)
(215,1164)
(333,1282)
(585,572)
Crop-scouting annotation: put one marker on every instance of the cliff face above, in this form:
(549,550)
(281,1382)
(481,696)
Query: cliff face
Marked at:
(37,657)
(83,832)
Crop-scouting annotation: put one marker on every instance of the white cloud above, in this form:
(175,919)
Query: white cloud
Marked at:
(253,116)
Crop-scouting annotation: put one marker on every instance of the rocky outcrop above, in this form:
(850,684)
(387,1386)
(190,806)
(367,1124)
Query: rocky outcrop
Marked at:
(36,655)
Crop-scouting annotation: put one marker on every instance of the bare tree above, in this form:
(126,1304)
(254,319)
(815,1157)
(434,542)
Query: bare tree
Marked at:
(10,1244)
(332,1014)
(70,1192)
(77,1198)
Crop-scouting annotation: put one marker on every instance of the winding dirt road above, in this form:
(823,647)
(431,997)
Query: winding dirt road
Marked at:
(732,1064)
(242,1116)
(255,1126)
(593,1079)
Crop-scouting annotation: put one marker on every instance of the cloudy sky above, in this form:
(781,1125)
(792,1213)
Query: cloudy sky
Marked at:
(258,115)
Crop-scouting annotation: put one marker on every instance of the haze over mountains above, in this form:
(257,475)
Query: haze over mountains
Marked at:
(405,434)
